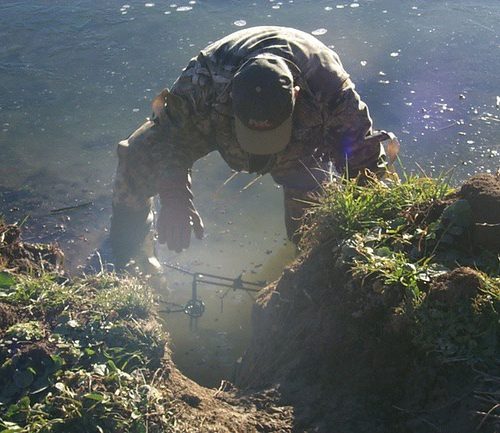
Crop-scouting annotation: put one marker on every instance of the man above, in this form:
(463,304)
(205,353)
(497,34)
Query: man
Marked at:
(269,100)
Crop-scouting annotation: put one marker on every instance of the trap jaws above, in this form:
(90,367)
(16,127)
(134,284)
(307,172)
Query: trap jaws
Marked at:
(195,307)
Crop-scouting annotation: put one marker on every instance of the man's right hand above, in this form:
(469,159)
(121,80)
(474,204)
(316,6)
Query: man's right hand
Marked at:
(178,217)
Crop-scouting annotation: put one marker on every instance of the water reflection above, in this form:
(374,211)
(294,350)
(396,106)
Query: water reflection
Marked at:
(207,349)
(244,236)
(76,77)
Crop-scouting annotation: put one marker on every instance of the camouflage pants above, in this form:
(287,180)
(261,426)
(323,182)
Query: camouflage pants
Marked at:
(134,187)
(301,187)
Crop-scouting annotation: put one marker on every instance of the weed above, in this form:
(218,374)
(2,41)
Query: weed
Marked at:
(347,207)
(85,357)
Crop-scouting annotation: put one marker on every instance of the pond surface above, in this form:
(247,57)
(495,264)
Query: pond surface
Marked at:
(77,76)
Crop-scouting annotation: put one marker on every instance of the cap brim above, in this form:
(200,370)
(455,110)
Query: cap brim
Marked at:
(264,142)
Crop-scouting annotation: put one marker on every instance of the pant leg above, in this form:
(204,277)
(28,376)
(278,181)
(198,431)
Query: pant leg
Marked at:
(296,204)
(301,186)
(131,232)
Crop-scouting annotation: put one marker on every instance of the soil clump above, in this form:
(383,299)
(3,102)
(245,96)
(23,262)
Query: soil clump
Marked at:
(24,257)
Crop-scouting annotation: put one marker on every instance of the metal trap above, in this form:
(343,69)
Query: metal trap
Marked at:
(195,307)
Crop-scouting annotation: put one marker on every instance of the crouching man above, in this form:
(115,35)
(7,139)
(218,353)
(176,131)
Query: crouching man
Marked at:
(270,100)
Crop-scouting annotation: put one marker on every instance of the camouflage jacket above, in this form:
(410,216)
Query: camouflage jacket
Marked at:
(329,122)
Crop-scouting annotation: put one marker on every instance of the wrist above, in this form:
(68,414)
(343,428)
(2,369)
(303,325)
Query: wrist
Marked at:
(175,186)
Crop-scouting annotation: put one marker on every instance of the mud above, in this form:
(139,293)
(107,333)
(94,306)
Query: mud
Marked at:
(349,370)
(26,257)
(455,286)
(28,367)
(8,316)
(31,258)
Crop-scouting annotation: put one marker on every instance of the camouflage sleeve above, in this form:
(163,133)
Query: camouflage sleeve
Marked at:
(347,124)
(196,88)
(186,124)
(135,180)
(165,148)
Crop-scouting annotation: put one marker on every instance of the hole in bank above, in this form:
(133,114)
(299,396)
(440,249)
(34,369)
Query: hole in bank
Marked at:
(208,314)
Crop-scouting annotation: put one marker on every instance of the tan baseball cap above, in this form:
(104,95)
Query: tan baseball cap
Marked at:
(263,102)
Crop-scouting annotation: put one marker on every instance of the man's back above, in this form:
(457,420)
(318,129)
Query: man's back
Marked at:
(308,56)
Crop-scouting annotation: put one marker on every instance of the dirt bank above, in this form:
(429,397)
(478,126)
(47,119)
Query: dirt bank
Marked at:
(356,349)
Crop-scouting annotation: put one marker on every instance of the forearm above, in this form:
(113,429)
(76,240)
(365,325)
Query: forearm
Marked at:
(175,185)
(145,159)
(348,126)
(306,174)
(132,216)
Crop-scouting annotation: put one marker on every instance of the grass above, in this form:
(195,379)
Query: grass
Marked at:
(468,332)
(83,356)
(347,207)
(418,281)
(399,237)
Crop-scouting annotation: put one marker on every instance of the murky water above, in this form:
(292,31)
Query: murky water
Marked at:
(76,77)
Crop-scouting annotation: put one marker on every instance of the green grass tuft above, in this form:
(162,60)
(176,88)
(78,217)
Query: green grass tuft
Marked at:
(347,207)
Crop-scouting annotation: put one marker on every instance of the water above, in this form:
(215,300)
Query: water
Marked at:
(76,77)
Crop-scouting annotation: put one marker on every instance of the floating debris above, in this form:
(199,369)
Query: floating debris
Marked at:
(328,8)
(184,8)
(149,5)
(394,54)
(68,208)
(240,23)
(318,32)
(354,5)
(363,62)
